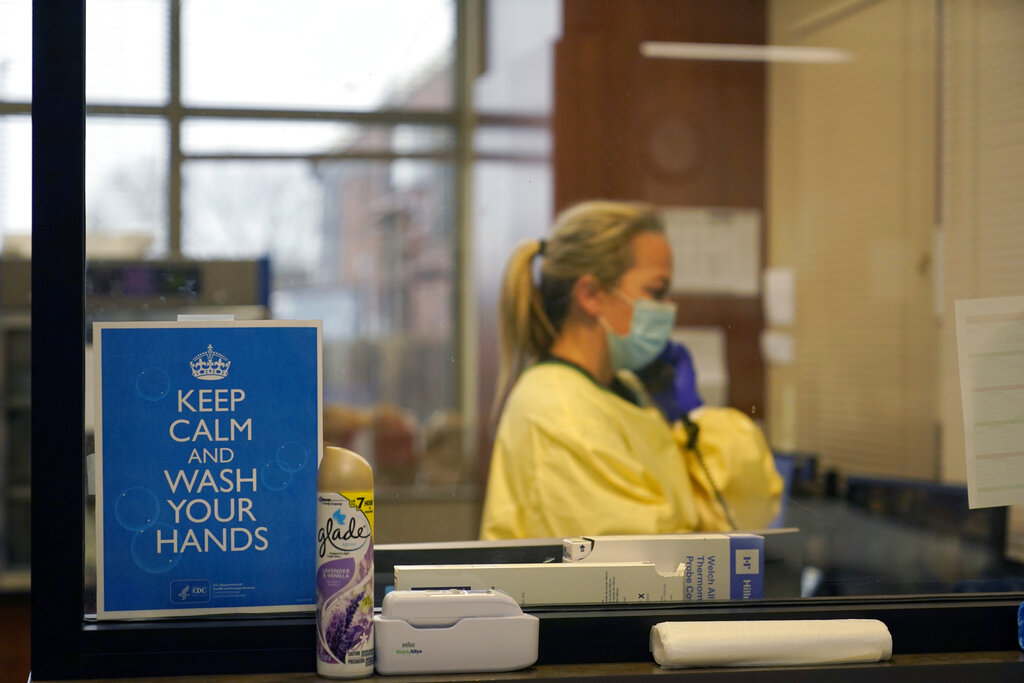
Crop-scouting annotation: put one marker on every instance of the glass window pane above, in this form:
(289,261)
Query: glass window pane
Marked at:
(15,50)
(15,404)
(368,248)
(502,141)
(226,136)
(15,340)
(126,51)
(242,209)
(318,54)
(125,186)
(520,50)
(222,136)
(15,181)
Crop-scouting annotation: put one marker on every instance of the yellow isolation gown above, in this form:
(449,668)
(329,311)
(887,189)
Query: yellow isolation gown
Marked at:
(572,457)
(741,466)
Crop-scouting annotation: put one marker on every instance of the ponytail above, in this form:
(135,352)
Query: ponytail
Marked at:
(524,330)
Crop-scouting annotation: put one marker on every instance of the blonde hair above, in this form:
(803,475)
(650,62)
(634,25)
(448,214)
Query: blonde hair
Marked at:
(592,237)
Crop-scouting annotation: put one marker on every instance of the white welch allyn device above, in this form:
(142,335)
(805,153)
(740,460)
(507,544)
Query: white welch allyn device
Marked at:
(452,631)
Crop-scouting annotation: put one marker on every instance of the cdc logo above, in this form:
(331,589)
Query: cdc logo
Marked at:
(190,591)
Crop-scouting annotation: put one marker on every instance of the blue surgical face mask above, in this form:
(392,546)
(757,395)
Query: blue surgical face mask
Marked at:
(649,330)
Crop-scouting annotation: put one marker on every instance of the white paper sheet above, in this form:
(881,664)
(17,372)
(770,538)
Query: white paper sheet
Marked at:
(778,348)
(707,347)
(779,297)
(715,250)
(990,345)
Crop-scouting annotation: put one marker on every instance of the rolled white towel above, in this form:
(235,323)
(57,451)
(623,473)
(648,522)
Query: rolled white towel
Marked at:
(678,644)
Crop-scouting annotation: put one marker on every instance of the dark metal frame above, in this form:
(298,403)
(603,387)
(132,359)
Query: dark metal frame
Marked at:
(65,646)
(58,306)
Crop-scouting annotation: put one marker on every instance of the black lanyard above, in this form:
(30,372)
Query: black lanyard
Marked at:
(692,430)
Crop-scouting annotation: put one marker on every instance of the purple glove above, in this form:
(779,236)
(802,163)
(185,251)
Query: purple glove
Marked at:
(672,382)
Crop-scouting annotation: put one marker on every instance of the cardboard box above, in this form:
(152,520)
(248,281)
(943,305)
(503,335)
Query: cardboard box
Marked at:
(666,551)
(702,575)
(704,559)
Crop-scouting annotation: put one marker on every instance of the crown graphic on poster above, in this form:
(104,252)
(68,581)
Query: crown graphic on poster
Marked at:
(210,365)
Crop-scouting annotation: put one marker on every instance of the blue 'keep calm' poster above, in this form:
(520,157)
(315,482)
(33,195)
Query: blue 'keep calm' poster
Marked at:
(207,440)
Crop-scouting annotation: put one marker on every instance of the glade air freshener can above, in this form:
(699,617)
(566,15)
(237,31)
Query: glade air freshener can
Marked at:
(344,565)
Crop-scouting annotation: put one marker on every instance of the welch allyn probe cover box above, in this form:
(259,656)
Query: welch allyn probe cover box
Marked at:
(667,551)
(719,567)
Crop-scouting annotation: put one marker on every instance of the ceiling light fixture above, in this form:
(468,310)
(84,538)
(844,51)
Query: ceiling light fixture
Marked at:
(743,53)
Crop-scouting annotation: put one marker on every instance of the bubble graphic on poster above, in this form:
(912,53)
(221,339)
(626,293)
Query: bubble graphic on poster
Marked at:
(152,384)
(151,550)
(291,456)
(274,476)
(136,508)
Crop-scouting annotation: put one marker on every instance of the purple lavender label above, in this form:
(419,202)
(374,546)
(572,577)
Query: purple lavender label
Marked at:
(334,575)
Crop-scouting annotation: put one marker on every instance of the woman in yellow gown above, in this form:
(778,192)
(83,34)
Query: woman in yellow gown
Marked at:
(581,449)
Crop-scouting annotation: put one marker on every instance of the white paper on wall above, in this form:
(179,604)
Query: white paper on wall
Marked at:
(715,250)
(990,346)
(779,297)
(778,348)
(707,348)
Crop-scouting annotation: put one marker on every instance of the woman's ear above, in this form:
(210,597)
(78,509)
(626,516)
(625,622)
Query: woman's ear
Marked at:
(587,293)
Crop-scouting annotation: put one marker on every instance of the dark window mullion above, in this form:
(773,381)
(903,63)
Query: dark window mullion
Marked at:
(174,119)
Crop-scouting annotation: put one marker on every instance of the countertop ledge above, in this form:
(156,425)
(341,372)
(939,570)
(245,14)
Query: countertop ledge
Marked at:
(953,666)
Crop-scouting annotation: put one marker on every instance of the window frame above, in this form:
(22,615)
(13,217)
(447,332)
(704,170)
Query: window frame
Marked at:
(941,623)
